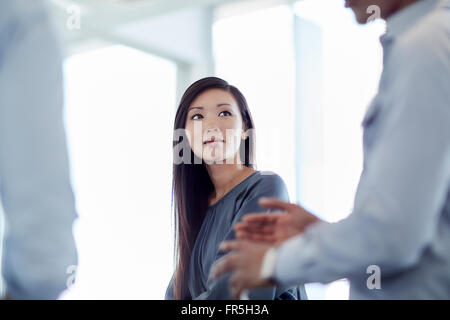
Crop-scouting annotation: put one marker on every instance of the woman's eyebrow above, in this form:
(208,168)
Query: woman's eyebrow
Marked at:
(195,108)
(219,105)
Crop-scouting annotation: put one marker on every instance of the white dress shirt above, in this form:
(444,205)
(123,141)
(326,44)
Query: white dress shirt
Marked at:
(401,217)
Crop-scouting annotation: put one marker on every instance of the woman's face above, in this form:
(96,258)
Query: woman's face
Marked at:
(214,127)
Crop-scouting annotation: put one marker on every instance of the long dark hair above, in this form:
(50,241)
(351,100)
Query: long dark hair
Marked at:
(192,186)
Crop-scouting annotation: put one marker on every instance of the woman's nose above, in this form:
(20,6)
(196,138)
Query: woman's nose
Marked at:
(214,131)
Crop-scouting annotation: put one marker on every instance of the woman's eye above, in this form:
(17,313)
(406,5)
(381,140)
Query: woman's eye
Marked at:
(226,113)
(196,116)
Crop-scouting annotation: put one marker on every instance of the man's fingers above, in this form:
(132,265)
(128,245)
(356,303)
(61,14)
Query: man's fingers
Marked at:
(259,218)
(230,245)
(265,229)
(269,238)
(244,234)
(230,261)
(224,265)
(273,203)
(237,285)
(263,238)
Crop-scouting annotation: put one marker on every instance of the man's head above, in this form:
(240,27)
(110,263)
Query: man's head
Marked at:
(368,10)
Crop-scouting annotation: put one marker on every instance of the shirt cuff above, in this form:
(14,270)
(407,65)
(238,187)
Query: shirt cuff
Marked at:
(268,265)
(287,269)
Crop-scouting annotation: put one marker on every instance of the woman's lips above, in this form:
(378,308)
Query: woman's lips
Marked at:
(212,141)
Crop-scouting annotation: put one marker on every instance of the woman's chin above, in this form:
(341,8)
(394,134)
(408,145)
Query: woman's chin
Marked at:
(214,160)
(219,160)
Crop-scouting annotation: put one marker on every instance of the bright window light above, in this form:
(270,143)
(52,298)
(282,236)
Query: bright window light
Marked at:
(120,107)
(255,53)
(352,62)
(351,66)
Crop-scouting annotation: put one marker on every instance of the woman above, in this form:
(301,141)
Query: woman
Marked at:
(214,185)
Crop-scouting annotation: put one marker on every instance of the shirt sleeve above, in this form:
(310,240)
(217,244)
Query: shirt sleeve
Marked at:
(35,185)
(270,185)
(403,188)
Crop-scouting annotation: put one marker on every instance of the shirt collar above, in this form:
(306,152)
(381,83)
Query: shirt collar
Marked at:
(405,18)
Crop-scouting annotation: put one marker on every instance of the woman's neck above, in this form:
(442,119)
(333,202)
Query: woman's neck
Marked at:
(226,176)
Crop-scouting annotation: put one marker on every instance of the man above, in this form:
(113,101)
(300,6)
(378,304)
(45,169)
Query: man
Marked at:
(396,242)
(34,177)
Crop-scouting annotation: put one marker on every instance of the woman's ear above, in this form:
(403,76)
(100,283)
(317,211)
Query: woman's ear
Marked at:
(244,133)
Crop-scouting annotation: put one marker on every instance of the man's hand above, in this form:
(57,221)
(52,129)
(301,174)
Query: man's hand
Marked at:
(275,228)
(245,261)
(256,234)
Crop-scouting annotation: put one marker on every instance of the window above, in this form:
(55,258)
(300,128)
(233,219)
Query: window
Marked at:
(351,62)
(257,57)
(350,59)
(120,106)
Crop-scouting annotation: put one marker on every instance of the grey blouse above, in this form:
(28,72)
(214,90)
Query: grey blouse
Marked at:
(217,227)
